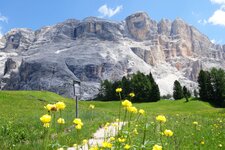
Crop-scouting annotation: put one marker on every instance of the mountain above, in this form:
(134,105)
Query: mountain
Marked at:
(95,49)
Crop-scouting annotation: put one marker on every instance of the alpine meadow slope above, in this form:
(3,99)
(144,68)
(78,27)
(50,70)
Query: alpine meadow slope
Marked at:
(95,49)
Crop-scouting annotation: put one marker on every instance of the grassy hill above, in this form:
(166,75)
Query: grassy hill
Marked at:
(21,128)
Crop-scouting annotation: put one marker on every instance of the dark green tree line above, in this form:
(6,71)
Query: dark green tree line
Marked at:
(144,87)
(212,86)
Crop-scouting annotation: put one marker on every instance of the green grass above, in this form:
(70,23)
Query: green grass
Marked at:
(20,127)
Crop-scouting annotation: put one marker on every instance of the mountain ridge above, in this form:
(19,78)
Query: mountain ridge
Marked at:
(94,49)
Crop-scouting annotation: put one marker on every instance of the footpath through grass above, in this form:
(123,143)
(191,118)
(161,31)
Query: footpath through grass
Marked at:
(20,127)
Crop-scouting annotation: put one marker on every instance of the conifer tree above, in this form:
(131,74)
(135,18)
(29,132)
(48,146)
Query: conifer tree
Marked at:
(177,90)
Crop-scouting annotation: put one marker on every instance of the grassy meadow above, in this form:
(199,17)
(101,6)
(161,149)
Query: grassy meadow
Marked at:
(195,124)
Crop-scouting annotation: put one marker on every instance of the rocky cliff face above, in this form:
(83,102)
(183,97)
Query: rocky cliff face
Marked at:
(95,49)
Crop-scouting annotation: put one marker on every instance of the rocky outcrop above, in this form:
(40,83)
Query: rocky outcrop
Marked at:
(93,49)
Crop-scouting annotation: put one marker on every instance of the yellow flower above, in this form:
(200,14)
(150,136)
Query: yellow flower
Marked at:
(77,121)
(220,145)
(75,145)
(60,105)
(61,121)
(84,141)
(141,111)
(195,123)
(126,103)
(94,148)
(121,140)
(46,118)
(106,145)
(161,118)
(135,131)
(91,106)
(126,146)
(168,133)
(46,125)
(132,109)
(78,127)
(112,139)
(157,147)
(132,94)
(119,90)
(50,107)
(202,142)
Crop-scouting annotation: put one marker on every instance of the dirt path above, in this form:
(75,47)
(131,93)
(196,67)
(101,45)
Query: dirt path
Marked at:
(100,135)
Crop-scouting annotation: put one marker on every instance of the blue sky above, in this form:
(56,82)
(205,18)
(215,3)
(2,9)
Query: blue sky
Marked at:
(206,15)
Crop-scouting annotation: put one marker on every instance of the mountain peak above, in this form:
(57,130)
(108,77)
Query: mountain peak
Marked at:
(95,49)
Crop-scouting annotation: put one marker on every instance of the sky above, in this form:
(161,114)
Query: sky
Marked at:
(208,16)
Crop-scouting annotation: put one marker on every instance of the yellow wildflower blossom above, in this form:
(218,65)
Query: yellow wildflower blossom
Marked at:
(121,140)
(119,90)
(46,118)
(78,121)
(61,121)
(161,118)
(50,107)
(132,109)
(195,123)
(157,147)
(132,94)
(60,105)
(106,145)
(141,111)
(91,106)
(168,133)
(126,146)
(126,103)
(84,141)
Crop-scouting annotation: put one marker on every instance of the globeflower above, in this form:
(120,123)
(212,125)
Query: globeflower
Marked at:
(78,127)
(121,140)
(78,123)
(84,141)
(94,148)
(141,111)
(60,105)
(195,123)
(168,133)
(91,106)
(119,90)
(135,131)
(112,139)
(132,109)
(46,118)
(106,145)
(132,94)
(127,146)
(50,107)
(161,118)
(61,121)
(126,103)
(157,147)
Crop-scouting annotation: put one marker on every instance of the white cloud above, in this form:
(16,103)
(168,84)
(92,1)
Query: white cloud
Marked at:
(218,1)
(203,21)
(109,12)
(3,18)
(218,17)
